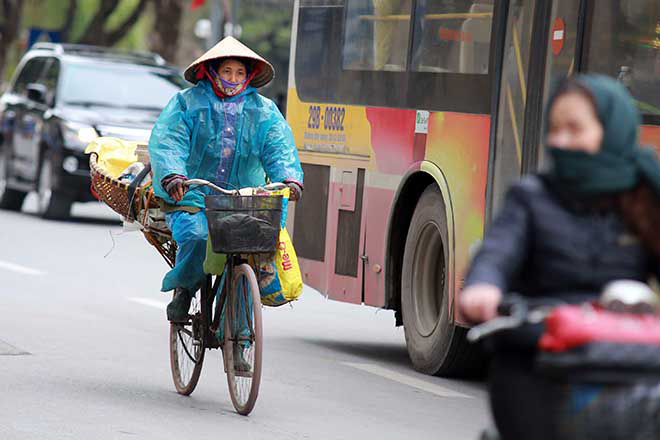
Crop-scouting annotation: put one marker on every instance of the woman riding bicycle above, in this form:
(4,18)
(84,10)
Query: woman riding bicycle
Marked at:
(564,234)
(223,131)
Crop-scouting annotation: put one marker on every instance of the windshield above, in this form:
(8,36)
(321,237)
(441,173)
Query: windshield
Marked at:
(117,85)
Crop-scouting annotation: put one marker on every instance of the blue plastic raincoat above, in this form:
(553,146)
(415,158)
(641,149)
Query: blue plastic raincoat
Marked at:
(234,142)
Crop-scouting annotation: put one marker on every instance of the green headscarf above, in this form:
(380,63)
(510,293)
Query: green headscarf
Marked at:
(621,162)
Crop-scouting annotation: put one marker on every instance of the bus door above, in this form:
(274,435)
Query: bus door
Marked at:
(564,30)
(539,44)
(346,234)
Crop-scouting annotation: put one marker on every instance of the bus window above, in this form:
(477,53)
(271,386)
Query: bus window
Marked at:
(376,35)
(317,48)
(625,43)
(452,36)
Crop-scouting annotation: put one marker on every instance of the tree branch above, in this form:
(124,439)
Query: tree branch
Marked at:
(120,32)
(13,11)
(95,33)
(164,39)
(65,30)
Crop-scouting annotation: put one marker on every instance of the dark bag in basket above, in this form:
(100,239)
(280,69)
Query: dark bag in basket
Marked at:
(245,232)
(244,224)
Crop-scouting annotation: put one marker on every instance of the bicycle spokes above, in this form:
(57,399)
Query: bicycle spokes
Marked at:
(243,344)
(187,350)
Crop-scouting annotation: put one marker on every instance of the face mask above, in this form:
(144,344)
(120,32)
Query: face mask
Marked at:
(591,174)
(231,88)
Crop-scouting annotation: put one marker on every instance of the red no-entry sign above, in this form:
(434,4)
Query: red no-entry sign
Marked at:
(558,35)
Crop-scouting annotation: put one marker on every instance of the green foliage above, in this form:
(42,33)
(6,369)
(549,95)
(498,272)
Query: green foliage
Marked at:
(51,14)
(47,14)
(266,28)
(136,38)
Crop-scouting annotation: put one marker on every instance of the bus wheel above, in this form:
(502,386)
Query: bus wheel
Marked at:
(435,345)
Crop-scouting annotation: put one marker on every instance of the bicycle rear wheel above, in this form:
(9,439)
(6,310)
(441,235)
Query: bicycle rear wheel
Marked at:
(187,348)
(243,342)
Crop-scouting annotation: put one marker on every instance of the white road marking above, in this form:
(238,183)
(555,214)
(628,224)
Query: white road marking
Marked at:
(407,380)
(20,269)
(10,350)
(149,302)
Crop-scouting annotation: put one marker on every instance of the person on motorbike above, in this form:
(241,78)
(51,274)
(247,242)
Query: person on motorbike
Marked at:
(591,219)
(223,131)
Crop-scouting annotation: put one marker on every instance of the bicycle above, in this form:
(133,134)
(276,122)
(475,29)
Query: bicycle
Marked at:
(226,311)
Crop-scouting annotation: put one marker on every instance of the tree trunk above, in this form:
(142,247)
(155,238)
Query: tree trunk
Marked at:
(9,29)
(96,33)
(167,27)
(120,32)
(65,31)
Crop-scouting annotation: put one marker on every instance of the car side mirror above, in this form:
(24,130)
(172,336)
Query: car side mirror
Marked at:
(37,92)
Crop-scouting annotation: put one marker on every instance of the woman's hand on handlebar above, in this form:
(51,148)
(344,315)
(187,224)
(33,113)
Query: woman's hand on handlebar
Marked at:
(174,186)
(478,303)
(295,189)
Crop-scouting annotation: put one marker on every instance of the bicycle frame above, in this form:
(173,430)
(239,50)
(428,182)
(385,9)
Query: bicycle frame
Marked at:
(212,315)
(228,316)
(211,318)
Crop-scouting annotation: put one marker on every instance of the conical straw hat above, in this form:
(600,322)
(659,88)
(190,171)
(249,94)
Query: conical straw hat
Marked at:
(231,47)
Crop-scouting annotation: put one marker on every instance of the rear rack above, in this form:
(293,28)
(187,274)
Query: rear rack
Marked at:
(83,49)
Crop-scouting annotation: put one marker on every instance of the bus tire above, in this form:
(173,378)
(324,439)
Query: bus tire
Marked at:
(435,345)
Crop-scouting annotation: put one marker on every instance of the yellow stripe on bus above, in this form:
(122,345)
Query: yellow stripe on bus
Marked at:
(514,124)
(521,72)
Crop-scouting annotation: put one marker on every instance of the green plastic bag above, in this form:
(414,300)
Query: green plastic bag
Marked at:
(214,263)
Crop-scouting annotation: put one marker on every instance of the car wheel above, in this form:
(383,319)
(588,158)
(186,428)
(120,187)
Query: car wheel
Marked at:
(435,345)
(52,204)
(10,199)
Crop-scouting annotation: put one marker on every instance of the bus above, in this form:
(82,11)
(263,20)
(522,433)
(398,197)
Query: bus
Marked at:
(412,117)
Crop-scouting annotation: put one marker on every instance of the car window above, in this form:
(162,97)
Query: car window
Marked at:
(117,85)
(49,79)
(30,73)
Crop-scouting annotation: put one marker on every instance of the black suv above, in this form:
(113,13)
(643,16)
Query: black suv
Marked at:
(62,97)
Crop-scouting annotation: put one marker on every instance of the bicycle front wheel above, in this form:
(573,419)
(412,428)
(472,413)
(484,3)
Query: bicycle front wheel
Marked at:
(243,341)
(187,348)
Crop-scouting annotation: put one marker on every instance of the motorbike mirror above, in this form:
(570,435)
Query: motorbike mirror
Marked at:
(629,295)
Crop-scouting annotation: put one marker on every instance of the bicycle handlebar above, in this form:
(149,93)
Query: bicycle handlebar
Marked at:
(188,183)
(270,187)
(514,312)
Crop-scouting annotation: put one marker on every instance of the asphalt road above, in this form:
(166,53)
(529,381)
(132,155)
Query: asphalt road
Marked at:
(84,353)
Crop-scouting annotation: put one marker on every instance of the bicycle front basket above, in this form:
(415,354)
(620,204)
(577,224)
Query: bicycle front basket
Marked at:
(244,224)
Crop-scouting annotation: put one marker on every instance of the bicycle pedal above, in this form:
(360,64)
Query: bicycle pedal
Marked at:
(243,373)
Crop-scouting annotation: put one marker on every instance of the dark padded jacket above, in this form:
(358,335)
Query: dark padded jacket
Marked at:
(545,244)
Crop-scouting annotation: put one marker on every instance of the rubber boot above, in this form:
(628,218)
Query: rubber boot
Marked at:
(177,309)
(240,364)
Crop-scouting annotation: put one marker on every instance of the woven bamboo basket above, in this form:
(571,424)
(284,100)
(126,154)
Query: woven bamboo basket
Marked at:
(146,212)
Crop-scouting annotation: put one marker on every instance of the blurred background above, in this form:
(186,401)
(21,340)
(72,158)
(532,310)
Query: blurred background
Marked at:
(178,30)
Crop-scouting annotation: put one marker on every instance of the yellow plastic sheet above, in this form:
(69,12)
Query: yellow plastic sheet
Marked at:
(114,154)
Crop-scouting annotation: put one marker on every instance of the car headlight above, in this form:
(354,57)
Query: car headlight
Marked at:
(77,135)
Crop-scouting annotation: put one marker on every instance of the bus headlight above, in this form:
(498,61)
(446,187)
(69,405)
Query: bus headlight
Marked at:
(77,136)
